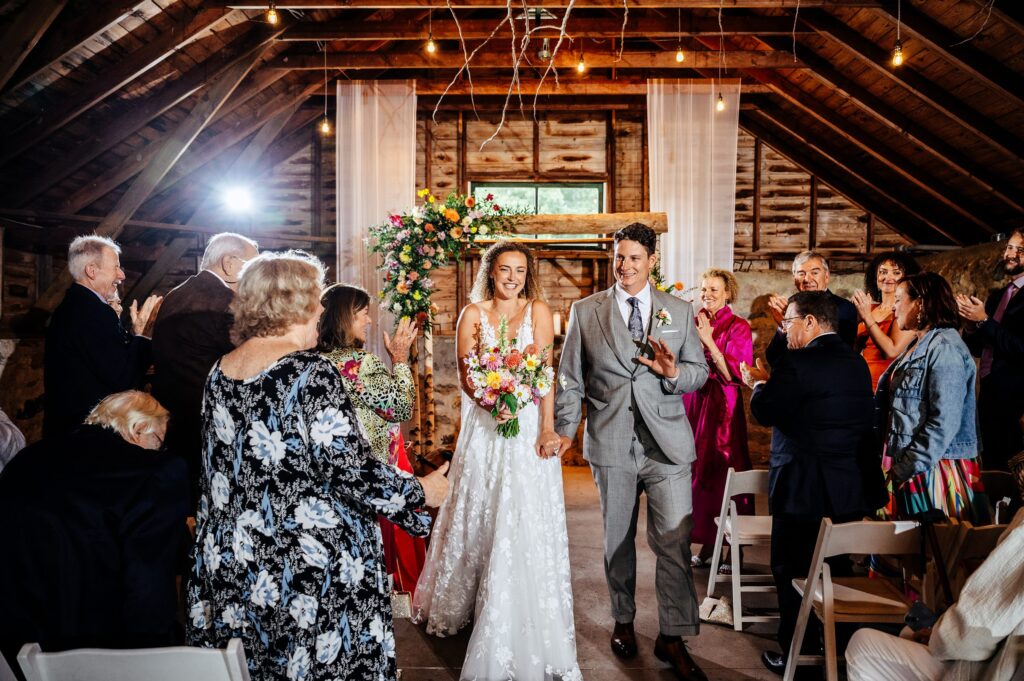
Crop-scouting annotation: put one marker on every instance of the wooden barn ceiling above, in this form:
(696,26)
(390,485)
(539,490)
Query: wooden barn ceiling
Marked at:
(123,110)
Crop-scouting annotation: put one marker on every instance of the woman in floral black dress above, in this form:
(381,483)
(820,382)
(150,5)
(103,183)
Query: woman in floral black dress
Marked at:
(288,554)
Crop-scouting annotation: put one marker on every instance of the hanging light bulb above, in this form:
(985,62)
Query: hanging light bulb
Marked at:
(272,16)
(325,126)
(679,37)
(431,45)
(720,104)
(897,53)
(679,55)
(544,53)
(581,65)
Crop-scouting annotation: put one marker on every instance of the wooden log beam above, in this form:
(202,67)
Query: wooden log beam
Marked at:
(124,121)
(23,32)
(965,57)
(816,148)
(169,257)
(171,150)
(579,4)
(597,223)
(110,79)
(445,29)
(592,85)
(878,59)
(840,179)
(566,59)
(881,111)
(66,37)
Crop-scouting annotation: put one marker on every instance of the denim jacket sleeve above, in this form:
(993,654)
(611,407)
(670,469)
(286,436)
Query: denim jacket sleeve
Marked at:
(943,412)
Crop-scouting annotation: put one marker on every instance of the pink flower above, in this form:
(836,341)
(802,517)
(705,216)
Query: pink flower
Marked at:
(413,276)
(350,369)
(396,220)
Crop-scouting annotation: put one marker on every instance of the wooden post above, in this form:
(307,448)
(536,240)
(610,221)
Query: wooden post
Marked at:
(428,421)
(812,237)
(461,168)
(645,201)
(609,164)
(316,207)
(536,148)
(755,236)
(870,236)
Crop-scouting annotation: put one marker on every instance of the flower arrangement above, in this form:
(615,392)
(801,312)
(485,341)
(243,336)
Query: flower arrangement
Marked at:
(678,288)
(416,243)
(505,376)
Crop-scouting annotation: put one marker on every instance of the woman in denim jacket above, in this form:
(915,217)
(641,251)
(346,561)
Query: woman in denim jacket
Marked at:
(925,401)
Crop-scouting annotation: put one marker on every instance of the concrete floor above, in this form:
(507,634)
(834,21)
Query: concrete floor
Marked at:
(724,654)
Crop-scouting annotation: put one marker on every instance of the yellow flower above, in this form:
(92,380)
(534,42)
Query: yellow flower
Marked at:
(407,248)
(430,199)
(493,380)
(472,230)
(405,258)
(416,295)
(423,192)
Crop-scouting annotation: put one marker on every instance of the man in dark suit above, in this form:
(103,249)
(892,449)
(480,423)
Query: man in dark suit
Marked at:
(995,332)
(818,401)
(192,332)
(811,273)
(88,354)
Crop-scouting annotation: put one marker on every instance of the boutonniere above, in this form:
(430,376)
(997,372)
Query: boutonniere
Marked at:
(663,317)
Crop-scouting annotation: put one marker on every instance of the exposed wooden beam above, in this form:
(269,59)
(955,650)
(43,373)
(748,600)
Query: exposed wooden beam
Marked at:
(23,32)
(68,36)
(566,59)
(124,121)
(965,57)
(579,4)
(592,85)
(597,223)
(905,126)
(580,27)
(110,79)
(169,257)
(840,179)
(817,148)
(812,226)
(879,59)
(755,234)
(171,150)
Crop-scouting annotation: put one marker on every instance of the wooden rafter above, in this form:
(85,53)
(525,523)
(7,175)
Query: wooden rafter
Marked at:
(68,36)
(878,59)
(566,59)
(22,34)
(111,79)
(171,150)
(580,4)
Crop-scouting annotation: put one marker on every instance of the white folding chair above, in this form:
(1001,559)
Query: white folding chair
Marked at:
(6,673)
(146,664)
(850,599)
(742,530)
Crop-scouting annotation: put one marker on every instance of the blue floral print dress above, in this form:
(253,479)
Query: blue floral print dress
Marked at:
(288,550)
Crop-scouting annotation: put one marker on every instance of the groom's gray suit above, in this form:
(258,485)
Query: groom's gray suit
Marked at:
(637,439)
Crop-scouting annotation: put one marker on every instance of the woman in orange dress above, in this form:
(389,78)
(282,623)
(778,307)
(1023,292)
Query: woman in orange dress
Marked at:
(879,338)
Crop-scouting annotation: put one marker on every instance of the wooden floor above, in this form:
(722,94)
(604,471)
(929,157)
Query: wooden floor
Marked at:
(724,654)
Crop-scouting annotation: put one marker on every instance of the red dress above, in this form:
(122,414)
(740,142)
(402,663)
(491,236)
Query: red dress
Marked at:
(719,424)
(875,358)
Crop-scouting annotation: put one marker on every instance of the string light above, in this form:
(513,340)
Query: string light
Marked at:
(431,45)
(679,36)
(272,16)
(679,54)
(581,65)
(720,104)
(325,124)
(897,50)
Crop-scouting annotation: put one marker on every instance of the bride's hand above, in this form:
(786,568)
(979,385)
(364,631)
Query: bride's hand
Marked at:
(504,414)
(549,444)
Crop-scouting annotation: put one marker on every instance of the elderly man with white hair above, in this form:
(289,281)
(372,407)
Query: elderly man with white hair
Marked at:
(192,332)
(89,355)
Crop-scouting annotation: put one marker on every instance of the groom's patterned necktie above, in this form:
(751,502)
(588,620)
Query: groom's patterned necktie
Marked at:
(636,325)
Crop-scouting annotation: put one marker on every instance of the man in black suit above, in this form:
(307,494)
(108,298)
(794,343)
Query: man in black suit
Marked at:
(811,273)
(995,332)
(818,401)
(193,331)
(88,354)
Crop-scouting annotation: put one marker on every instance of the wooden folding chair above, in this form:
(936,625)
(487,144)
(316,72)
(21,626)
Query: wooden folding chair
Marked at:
(151,664)
(742,530)
(974,546)
(850,599)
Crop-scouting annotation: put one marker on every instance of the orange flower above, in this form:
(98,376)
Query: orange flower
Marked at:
(427,265)
(470,202)
(513,359)
(401,287)
(678,286)
(452,214)
(428,227)
(456,232)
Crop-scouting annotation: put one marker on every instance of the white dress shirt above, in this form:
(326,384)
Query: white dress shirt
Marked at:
(644,296)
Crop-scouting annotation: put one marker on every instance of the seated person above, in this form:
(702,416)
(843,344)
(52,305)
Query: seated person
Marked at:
(90,534)
(981,637)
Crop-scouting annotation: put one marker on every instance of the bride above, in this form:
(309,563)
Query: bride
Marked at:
(499,554)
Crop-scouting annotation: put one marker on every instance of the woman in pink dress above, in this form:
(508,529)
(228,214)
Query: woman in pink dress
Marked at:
(716,410)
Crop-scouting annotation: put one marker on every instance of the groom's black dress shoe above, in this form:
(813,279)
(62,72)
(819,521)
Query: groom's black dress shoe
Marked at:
(624,640)
(671,649)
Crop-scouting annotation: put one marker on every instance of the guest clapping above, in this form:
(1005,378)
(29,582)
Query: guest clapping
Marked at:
(879,338)
(716,410)
(287,557)
(91,533)
(925,406)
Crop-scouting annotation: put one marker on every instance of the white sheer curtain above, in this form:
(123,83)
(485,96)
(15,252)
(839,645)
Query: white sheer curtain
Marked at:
(692,153)
(376,139)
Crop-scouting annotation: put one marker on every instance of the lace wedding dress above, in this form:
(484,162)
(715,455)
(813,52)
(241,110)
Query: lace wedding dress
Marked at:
(499,554)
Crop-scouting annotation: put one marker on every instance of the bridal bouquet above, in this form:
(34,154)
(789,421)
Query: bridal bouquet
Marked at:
(506,376)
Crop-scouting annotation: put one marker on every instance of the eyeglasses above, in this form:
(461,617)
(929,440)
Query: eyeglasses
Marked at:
(788,321)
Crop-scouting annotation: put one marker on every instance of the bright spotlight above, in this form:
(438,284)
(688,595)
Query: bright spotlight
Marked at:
(238,199)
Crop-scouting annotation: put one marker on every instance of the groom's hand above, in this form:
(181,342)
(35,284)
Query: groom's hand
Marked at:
(664,362)
(549,444)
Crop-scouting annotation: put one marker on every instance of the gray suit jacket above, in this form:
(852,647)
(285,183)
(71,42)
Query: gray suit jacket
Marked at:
(598,366)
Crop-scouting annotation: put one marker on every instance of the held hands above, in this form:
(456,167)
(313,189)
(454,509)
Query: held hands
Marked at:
(705,331)
(399,345)
(664,362)
(549,444)
(144,319)
(753,374)
(777,308)
(971,308)
(435,486)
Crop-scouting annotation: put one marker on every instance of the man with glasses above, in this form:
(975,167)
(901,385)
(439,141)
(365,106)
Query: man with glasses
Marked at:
(192,332)
(995,332)
(818,402)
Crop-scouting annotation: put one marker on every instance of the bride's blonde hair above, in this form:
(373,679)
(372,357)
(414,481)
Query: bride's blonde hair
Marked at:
(483,285)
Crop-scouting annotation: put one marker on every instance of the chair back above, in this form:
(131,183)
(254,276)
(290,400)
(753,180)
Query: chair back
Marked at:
(975,545)
(745,482)
(1000,485)
(884,538)
(148,664)
(6,673)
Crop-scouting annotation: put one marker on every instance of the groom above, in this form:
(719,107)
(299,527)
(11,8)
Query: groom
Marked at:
(630,353)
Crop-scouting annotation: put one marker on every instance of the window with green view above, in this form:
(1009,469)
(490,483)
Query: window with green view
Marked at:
(546,198)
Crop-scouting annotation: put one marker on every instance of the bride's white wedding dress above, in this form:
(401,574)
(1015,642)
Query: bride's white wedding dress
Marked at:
(499,554)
